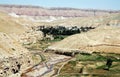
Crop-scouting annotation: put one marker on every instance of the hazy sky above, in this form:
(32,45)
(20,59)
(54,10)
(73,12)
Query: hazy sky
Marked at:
(95,4)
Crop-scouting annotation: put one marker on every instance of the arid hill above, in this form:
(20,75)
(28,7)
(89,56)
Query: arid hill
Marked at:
(57,12)
(8,25)
(103,39)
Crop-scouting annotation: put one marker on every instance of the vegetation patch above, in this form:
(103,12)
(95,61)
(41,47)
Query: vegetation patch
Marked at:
(90,57)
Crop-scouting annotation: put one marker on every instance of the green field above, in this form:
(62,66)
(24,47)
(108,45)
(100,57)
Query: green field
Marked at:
(91,65)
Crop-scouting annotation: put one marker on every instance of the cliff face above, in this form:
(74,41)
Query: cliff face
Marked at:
(65,12)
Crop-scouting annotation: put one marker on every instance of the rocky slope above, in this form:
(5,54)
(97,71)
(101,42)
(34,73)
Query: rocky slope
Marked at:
(9,47)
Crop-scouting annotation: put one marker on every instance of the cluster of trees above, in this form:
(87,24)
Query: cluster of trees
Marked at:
(61,30)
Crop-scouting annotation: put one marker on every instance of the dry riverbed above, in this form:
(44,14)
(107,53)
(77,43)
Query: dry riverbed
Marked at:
(45,69)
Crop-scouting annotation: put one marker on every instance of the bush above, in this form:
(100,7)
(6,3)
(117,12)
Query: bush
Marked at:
(13,49)
(73,63)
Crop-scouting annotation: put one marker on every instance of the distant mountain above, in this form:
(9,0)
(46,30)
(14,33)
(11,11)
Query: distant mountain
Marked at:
(57,12)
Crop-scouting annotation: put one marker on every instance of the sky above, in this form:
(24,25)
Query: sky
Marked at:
(92,4)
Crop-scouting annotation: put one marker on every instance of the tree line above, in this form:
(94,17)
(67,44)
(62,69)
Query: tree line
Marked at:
(62,30)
